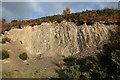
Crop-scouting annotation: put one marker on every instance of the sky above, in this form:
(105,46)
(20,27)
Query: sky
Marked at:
(33,10)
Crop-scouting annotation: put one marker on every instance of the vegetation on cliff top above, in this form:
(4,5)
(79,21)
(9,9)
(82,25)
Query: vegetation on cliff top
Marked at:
(88,16)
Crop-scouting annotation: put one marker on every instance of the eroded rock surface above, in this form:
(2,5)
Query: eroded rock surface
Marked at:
(63,38)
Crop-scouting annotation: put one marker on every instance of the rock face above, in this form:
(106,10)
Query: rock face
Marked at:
(63,38)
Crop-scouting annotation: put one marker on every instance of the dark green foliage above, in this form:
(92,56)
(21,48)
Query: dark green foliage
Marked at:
(108,48)
(19,27)
(72,72)
(90,22)
(78,23)
(99,67)
(23,56)
(14,21)
(75,17)
(45,20)
(4,54)
(59,20)
(116,57)
(69,60)
(107,11)
(118,23)
(32,24)
(39,23)
(107,23)
(5,39)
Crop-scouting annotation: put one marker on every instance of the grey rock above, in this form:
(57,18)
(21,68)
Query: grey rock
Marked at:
(63,38)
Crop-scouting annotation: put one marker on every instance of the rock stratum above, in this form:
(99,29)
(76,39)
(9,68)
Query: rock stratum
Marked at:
(65,38)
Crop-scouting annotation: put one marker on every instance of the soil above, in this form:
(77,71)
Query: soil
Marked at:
(36,66)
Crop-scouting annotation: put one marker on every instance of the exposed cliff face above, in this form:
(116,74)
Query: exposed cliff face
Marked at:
(62,38)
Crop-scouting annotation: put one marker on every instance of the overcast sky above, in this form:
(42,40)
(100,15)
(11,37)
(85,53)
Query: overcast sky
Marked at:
(33,10)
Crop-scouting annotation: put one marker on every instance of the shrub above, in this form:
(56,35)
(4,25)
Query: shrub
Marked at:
(116,57)
(5,39)
(4,54)
(89,22)
(59,20)
(23,56)
(107,12)
(32,24)
(108,48)
(19,27)
(14,21)
(69,59)
(72,72)
(97,67)
(78,23)
(39,23)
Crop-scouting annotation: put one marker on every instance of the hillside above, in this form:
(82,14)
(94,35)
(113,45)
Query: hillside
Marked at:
(78,45)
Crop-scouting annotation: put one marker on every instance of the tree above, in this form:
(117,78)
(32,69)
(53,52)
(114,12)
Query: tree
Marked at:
(3,20)
(14,21)
(67,11)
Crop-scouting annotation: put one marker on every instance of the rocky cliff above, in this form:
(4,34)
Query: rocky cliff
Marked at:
(65,38)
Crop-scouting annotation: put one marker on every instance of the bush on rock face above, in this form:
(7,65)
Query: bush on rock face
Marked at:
(4,54)
(5,39)
(23,56)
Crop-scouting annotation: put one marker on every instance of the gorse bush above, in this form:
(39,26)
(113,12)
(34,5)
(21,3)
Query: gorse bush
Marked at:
(116,57)
(23,56)
(4,54)
(90,22)
(72,72)
(107,12)
(5,39)
(97,67)
(69,59)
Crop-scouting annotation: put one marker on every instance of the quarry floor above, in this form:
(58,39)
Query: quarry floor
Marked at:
(33,67)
